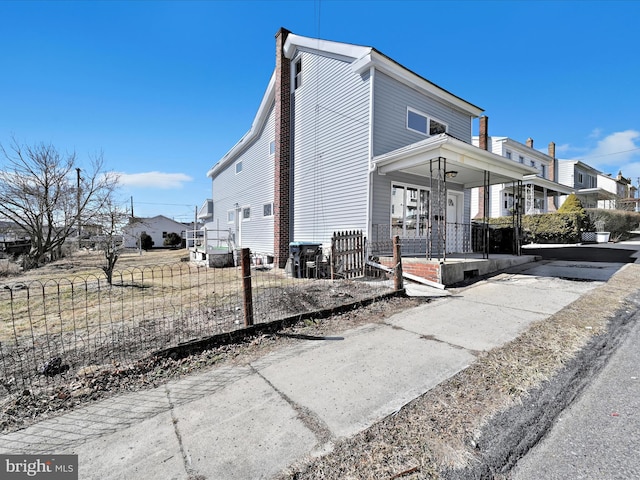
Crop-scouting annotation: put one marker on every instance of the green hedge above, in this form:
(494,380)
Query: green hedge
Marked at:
(568,227)
(618,222)
(554,227)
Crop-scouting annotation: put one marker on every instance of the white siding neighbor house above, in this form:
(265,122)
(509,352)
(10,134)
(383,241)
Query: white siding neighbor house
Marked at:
(157,228)
(539,191)
(583,179)
(345,139)
(620,187)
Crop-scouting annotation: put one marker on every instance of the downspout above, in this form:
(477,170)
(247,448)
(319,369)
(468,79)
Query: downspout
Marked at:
(372,165)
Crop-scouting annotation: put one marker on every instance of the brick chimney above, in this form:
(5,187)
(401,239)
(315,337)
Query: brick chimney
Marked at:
(530,142)
(282,177)
(483,143)
(483,133)
(552,201)
(552,165)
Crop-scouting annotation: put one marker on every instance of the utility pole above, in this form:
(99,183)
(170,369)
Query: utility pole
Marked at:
(78,219)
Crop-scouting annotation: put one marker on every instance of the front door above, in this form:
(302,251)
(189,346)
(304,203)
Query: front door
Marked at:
(455,230)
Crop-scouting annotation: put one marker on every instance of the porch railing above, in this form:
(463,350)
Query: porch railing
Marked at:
(457,238)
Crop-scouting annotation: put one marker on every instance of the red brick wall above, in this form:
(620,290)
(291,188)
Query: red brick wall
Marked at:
(429,271)
(281,205)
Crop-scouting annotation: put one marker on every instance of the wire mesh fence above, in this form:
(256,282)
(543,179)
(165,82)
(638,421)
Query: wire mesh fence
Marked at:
(49,329)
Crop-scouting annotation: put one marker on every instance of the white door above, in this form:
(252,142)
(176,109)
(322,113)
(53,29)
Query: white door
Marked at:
(455,230)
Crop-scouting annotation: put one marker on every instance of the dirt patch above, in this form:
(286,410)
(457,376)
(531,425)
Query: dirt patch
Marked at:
(94,382)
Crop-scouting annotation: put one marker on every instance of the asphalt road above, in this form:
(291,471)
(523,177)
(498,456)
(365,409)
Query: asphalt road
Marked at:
(584,254)
(598,436)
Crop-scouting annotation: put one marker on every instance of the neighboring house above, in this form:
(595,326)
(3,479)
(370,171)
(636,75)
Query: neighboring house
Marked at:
(622,190)
(344,139)
(539,191)
(205,214)
(157,228)
(11,232)
(583,179)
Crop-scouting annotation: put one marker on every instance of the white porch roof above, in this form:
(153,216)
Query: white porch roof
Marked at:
(549,185)
(469,162)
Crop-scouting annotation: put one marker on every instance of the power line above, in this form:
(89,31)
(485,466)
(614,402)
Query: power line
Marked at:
(609,154)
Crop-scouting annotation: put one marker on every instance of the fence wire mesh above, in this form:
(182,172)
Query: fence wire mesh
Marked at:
(50,329)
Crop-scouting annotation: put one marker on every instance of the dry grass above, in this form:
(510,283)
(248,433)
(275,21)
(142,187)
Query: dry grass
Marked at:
(440,430)
(73,293)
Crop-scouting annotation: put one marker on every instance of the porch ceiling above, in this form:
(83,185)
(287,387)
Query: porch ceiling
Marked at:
(468,161)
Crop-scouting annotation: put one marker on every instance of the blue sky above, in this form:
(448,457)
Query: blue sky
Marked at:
(165,89)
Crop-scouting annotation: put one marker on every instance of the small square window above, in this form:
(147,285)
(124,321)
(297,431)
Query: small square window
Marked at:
(246,213)
(521,159)
(231,216)
(267,210)
(508,154)
(164,234)
(238,167)
(272,147)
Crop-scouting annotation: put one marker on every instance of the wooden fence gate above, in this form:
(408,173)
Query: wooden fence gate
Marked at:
(347,254)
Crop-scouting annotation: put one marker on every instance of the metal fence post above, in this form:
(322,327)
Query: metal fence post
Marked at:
(397,262)
(246,287)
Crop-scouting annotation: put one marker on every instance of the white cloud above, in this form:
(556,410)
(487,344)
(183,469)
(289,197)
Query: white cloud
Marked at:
(596,133)
(154,180)
(619,147)
(565,147)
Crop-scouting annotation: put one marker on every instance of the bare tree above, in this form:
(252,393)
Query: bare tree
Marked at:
(40,193)
(111,220)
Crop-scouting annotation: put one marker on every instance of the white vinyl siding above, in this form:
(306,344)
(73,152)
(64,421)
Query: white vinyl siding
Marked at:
(391,99)
(254,186)
(330,157)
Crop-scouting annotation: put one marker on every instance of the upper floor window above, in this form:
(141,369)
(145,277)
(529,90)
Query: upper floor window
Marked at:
(231,216)
(246,213)
(419,122)
(297,79)
(239,167)
(533,163)
(543,170)
(508,154)
(521,159)
(580,177)
(272,147)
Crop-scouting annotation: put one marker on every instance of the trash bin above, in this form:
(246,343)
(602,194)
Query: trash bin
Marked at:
(300,253)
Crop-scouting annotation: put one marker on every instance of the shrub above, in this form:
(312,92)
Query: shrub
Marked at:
(146,242)
(172,240)
(554,227)
(572,205)
(618,222)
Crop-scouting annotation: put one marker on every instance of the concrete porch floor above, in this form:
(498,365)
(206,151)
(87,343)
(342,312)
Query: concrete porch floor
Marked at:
(458,267)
